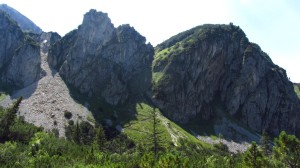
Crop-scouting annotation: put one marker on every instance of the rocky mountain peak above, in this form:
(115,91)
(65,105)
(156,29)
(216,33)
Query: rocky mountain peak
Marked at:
(101,60)
(96,28)
(24,23)
(214,68)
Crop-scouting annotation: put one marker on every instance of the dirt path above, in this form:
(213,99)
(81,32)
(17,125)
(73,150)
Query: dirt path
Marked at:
(175,134)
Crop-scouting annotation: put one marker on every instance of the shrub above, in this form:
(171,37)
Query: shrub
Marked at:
(68,115)
(71,122)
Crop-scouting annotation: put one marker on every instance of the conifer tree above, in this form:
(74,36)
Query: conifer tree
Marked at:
(253,157)
(265,143)
(8,119)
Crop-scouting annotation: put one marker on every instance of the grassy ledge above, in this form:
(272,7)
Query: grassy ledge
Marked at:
(296,89)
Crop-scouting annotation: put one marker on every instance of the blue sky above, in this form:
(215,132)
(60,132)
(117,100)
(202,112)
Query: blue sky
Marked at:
(272,24)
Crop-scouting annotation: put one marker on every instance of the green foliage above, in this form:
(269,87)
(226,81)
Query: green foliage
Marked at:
(21,131)
(174,161)
(222,147)
(28,38)
(253,157)
(265,143)
(145,128)
(120,144)
(9,154)
(68,115)
(91,146)
(2,96)
(81,133)
(7,119)
(297,91)
(287,150)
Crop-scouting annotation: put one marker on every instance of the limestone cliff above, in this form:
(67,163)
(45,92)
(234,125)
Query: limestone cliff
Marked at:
(100,60)
(215,66)
(19,55)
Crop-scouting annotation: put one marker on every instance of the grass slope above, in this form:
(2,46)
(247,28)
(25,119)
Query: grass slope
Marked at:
(297,91)
(141,127)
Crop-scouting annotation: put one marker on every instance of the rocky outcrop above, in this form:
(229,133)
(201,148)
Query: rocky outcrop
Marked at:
(25,23)
(100,60)
(19,55)
(47,39)
(215,66)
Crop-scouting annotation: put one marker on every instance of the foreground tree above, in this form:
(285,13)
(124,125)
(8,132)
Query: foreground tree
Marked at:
(8,119)
(265,144)
(156,133)
(254,157)
(287,150)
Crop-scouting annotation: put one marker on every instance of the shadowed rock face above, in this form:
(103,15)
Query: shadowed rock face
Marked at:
(212,65)
(100,60)
(19,55)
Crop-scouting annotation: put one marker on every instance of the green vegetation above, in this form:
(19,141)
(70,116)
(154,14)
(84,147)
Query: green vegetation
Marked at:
(2,96)
(68,115)
(297,90)
(142,127)
(287,150)
(149,140)
(29,38)
(171,54)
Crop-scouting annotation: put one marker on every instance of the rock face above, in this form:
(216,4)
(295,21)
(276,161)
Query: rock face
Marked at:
(47,39)
(19,55)
(213,66)
(25,23)
(100,60)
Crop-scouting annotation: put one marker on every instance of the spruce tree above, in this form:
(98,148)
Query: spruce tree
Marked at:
(8,119)
(265,143)
(253,157)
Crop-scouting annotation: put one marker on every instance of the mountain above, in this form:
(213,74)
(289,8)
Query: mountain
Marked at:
(102,97)
(209,78)
(19,55)
(25,23)
(214,68)
(102,61)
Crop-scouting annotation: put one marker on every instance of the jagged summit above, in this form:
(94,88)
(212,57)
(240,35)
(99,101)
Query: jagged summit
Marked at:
(96,28)
(25,23)
(208,73)
(101,60)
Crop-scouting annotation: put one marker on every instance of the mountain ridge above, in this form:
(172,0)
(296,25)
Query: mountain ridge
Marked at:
(97,54)
(25,23)
(212,64)
(19,55)
(210,72)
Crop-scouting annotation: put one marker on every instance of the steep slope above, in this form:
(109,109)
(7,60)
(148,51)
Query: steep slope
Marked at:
(25,23)
(215,67)
(19,55)
(100,60)
(46,101)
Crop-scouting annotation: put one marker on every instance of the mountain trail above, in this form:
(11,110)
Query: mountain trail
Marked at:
(174,133)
